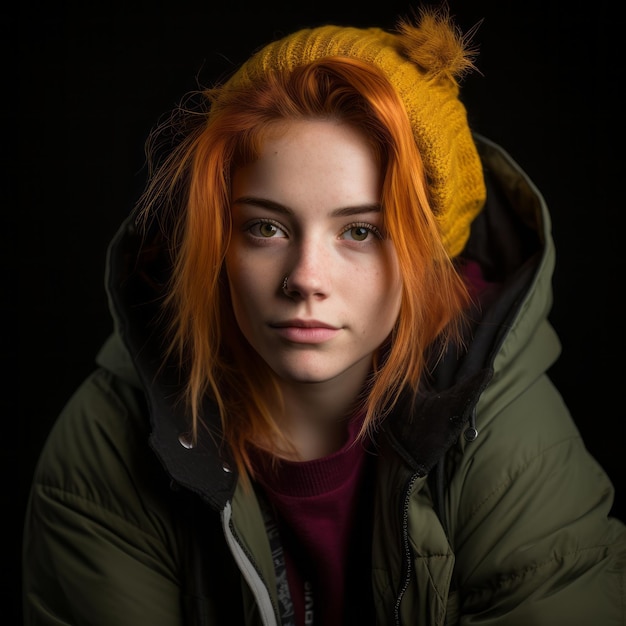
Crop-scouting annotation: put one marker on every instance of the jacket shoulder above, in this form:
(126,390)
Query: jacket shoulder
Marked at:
(531,516)
(99,442)
(101,515)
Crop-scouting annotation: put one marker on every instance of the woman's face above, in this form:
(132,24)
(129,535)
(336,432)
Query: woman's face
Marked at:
(309,209)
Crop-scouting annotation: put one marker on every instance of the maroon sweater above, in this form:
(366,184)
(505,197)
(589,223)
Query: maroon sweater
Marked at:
(322,523)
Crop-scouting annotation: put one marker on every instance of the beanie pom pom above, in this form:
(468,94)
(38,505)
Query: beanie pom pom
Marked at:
(436,44)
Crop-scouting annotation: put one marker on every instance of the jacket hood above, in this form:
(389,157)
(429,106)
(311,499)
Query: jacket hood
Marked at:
(509,344)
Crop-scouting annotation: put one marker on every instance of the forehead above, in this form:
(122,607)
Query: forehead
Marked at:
(312,162)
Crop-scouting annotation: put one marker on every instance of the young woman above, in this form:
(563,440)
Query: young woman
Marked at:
(325,400)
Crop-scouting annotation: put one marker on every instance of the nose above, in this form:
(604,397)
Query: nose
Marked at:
(309,271)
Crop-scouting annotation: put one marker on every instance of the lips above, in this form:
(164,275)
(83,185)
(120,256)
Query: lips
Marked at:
(305,331)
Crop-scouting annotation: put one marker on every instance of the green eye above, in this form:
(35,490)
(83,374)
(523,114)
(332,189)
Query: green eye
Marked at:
(267,230)
(359,233)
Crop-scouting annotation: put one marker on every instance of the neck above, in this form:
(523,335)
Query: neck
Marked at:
(316,415)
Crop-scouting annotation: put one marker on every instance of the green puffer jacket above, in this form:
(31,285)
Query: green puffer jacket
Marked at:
(488,508)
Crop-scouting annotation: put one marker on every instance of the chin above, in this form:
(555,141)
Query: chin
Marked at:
(303,377)
(305,373)
(319,373)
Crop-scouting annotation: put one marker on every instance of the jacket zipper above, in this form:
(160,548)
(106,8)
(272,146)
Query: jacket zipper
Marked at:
(248,570)
(407,550)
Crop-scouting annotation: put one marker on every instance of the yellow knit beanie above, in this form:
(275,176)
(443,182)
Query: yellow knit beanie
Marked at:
(423,60)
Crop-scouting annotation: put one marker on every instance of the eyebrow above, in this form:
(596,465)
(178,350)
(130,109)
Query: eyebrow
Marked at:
(271,205)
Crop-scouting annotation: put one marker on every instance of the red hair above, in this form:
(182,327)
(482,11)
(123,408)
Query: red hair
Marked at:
(203,333)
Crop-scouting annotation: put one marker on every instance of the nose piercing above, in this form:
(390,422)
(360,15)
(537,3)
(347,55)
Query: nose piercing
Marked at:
(285,291)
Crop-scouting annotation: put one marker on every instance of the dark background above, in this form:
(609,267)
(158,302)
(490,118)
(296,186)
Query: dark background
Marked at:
(96,76)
